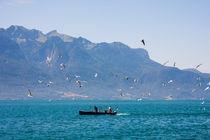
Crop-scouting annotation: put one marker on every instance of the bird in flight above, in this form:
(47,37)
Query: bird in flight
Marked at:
(96,75)
(165,63)
(29,93)
(143,42)
(198,66)
(174,64)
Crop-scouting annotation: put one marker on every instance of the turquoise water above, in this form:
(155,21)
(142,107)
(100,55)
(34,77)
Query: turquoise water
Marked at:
(135,120)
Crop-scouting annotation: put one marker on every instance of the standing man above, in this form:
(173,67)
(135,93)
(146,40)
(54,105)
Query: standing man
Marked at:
(95,109)
(110,109)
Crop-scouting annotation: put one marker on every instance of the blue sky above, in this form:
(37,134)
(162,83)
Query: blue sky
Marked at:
(178,30)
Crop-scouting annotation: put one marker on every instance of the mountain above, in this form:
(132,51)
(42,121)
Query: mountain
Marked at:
(51,64)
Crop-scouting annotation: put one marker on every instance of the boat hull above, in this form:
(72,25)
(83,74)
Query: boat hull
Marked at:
(96,113)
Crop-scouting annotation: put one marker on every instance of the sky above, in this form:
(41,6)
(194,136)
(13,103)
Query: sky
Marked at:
(173,30)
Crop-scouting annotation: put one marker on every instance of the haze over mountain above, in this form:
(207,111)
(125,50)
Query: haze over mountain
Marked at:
(23,55)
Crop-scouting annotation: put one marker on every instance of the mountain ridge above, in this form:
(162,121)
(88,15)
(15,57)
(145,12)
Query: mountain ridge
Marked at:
(84,58)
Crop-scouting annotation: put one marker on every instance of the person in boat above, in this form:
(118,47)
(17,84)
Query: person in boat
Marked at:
(95,109)
(110,109)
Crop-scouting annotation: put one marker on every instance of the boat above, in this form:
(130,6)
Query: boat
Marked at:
(96,113)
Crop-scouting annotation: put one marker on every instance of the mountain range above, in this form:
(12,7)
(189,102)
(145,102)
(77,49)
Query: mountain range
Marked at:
(58,66)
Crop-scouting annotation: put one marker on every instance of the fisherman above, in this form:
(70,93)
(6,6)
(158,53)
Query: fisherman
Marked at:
(95,109)
(110,109)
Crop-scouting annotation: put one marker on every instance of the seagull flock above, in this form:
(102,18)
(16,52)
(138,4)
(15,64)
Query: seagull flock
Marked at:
(122,94)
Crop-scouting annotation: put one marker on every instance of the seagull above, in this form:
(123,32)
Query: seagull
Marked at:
(174,64)
(48,85)
(198,66)
(29,93)
(50,82)
(48,61)
(119,89)
(193,90)
(79,82)
(170,81)
(206,89)
(135,80)
(149,94)
(131,87)
(63,65)
(143,42)
(164,84)
(199,84)
(126,77)
(170,97)
(77,76)
(208,84)
(165,63)
(80,86)
(40,81)
(68,78)
(61,69)
(59,56)
(202,102)
(139,99)
(96,75)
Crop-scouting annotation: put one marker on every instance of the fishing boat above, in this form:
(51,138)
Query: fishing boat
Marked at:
(96,113)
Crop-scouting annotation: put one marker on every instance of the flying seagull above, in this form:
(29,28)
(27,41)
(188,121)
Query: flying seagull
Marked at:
(139,99)
(170,81)
(174,64)
(199,84)
(164,84)
(206,89)
(80,83)
(48,61)
(143,42)
(40,81)
(135,80)
(59,56)
(96,75)
(63,65)
(193,90)
(77,76)
(198,66)
(119,89)
(165,63)
(29,93)
(68,78)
